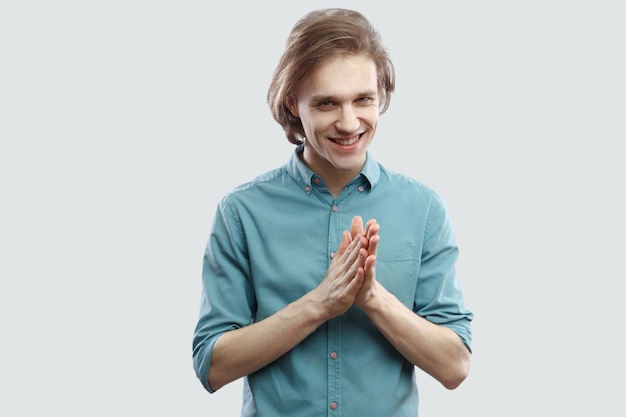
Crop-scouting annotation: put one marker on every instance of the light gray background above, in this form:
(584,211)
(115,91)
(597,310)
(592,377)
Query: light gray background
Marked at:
(123,122)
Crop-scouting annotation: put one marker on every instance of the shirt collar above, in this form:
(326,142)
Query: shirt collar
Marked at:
(303,175)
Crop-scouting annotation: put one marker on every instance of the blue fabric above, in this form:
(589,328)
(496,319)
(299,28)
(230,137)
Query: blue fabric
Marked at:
(272,241)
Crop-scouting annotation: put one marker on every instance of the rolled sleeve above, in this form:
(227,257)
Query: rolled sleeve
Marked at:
(224,271)
(439,297)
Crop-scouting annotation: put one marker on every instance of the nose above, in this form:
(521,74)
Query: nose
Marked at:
(348,120)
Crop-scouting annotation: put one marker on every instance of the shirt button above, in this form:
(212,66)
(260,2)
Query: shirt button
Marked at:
(316,181)
(307,188)
(332,255)
(333,405)
(361,188)
(333,355)
(335,208)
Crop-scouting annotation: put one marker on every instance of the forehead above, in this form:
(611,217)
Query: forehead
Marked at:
(340,76)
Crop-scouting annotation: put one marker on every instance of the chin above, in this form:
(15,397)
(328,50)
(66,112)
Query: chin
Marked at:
(350,163)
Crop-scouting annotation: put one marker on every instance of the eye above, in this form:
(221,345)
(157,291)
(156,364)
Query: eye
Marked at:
(325,104)
(364,100)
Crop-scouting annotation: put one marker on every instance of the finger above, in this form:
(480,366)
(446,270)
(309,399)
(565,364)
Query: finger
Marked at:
(371,228)
(369,279)
(353,287)
(346,239)
(354,251)
(346,257)
(346,269)
(373,244)
(357,226)
(355,269)
(370,267)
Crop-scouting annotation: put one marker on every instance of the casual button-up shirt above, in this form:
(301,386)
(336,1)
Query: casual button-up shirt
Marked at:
(272,241)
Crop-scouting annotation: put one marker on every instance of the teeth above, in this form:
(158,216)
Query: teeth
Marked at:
(347,141)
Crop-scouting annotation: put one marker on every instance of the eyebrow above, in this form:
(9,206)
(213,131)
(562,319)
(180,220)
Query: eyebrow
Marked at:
(328,97)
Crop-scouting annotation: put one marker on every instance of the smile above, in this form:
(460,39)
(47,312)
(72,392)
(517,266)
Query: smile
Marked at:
(347,142)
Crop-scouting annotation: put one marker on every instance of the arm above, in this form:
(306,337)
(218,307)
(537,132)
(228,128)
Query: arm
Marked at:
(245,350)
(434,348)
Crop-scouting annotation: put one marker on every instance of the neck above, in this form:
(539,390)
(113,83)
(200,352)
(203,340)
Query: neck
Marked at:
(334,179)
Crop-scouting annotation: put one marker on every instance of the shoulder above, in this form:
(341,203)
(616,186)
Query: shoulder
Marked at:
(259,185)
(404,184)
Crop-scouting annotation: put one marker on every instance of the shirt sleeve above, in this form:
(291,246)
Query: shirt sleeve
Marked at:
(227,298)
(439,297)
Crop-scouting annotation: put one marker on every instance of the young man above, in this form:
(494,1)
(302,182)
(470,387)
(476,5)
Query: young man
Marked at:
(320,313)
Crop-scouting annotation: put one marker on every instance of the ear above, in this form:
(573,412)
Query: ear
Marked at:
(290,102)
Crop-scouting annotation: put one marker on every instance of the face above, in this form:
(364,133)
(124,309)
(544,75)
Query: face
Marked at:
(338,105)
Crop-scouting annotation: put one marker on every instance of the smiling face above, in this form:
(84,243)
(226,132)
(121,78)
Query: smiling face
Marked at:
(338,105)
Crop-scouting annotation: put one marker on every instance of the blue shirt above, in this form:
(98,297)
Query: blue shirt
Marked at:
(272,241)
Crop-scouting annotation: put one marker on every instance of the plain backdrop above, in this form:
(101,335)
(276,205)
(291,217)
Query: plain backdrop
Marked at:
(122,123)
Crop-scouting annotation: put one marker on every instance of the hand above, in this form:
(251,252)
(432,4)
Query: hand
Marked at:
(366,292)
(344,276)
(370,233)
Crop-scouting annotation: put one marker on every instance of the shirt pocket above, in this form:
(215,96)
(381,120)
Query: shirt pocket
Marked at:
(397,266)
